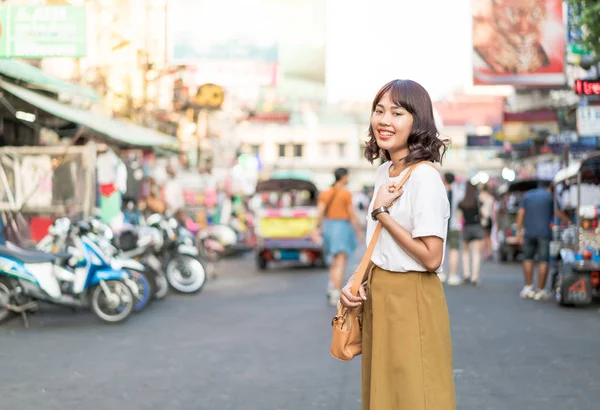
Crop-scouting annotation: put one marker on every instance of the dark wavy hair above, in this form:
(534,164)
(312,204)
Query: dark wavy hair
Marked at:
(470,199)
(424,141)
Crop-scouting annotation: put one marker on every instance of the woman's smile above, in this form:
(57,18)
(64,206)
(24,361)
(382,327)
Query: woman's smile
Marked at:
(385,134)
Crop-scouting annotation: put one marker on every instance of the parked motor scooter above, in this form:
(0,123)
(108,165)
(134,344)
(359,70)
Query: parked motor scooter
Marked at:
(184,270)
(86,280)
(136,243)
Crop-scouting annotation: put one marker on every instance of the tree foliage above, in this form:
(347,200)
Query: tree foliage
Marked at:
(589,20)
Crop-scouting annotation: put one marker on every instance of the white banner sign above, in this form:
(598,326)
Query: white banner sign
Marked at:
(588,121)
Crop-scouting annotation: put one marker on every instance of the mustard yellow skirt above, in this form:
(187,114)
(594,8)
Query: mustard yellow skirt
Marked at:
(407,350)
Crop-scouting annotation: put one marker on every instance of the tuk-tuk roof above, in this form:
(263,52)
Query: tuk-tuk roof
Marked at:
(285,184)
(523,185)
(592,160)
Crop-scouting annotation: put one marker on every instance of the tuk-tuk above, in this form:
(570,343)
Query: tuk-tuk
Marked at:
(286,216)
(509,197)
(575,250)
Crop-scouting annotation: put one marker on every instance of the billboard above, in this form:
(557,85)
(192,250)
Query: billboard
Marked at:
(518,43)
(42,31)
(231,31)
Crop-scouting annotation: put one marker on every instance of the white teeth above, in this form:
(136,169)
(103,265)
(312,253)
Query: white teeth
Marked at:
(386,134)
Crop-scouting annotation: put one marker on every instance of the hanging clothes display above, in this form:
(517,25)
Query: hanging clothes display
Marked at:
(135,180)
(112,183)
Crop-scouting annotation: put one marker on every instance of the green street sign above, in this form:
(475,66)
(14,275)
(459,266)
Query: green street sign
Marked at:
(578,49)
(42,31)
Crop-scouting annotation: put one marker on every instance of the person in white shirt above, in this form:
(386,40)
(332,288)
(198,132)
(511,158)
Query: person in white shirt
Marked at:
(173,192)
(406,344)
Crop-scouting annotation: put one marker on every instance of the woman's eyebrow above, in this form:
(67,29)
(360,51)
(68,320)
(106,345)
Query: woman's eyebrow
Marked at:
(394,107)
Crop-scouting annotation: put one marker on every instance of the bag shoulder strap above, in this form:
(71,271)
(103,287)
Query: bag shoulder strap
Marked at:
(328,205)
(363,268)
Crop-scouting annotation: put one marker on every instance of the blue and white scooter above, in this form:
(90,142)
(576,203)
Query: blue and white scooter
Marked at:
(59,236)
(29,277)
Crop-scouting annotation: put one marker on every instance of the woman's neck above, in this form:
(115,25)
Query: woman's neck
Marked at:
(398,161)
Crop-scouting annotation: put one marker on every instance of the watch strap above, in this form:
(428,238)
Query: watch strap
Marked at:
(378,211)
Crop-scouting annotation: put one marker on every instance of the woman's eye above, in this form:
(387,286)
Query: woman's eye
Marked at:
(378,112)
(397,114)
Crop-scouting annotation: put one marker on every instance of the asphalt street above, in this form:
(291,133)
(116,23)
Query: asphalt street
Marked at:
(260,341)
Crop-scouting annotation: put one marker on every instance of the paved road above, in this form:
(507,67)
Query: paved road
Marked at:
(260,342)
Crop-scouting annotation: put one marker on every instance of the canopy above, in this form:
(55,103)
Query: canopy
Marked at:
(37,78)
(591,161)
(288,184)
(117,130)
(523,185)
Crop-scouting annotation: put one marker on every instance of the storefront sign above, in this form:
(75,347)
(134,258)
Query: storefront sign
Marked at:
(524,127)
(586,87)
(42,31)
(588,121)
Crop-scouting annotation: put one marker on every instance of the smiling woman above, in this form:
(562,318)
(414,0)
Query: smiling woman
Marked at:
(419,135)
(406,346)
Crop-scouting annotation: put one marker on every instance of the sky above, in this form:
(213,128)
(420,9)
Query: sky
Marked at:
(370,42)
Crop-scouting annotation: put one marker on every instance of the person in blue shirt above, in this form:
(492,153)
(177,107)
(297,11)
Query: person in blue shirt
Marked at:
(533,230)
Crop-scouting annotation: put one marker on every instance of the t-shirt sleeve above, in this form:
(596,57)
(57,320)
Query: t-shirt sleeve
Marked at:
(523,202)
(429,204)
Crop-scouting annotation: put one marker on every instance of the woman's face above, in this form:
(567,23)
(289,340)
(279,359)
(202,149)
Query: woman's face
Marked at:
(391,125)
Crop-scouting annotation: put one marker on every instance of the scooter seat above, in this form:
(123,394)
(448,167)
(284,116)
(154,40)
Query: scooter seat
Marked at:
(61,255)
(27,256)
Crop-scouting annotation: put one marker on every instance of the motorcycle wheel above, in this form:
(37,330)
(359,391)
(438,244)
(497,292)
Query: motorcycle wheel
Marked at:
(5,287)
(186,274)
(143,298)
(109,312)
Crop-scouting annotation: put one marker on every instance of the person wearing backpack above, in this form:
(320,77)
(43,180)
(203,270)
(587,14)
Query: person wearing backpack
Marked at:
(472,234)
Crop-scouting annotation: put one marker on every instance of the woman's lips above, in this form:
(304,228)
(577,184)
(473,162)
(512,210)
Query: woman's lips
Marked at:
(385,134)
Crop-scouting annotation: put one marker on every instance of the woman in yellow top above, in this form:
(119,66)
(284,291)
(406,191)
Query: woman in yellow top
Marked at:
(406,345)
(340,228)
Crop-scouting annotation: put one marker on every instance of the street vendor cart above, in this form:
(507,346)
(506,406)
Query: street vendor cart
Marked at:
(576,249)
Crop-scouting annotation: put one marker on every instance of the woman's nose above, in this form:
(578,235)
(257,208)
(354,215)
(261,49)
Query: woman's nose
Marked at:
(385,119)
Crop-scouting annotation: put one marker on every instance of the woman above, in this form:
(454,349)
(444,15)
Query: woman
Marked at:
(472,234)
(407,351)
(340,228)
(486,199)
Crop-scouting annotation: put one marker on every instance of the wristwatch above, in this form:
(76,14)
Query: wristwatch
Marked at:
(379,211)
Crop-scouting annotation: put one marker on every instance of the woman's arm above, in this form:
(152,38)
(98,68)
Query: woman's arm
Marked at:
(428,250)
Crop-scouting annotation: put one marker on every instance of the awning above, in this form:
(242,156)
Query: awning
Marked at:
(112,128)
(591,162)
(24,72)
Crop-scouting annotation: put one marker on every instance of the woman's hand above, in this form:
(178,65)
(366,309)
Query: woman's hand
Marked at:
(386,194)
(317,236)
(360,235)
(348,299)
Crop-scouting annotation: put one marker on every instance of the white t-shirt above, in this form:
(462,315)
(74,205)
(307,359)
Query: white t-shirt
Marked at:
(423,210)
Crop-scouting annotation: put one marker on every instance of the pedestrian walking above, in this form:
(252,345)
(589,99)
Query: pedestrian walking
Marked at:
(486,199)
(534,233)
(339,228)
(406,345)
(455,194)
(472,234)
